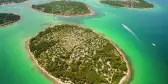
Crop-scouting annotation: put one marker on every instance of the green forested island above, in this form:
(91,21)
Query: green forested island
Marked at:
(128,3)
(64,8)
(8,18)
(11,1)
(77,55)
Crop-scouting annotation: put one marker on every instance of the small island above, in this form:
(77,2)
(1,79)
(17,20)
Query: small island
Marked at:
(64,8)
(8,19)
(2,2)
(140,4)
(76,55)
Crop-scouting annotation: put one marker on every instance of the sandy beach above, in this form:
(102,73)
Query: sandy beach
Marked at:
(127,77)
(48,75)
(129,74)
(88,14)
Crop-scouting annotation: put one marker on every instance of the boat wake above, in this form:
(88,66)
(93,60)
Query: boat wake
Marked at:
(128,29)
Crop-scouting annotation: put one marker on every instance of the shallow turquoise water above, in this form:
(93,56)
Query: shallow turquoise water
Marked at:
(149,62)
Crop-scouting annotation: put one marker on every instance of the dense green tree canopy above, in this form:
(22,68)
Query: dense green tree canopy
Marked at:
(78,55)
(8,18)
(66,8)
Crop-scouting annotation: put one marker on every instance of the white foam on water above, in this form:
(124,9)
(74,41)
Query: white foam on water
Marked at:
(128,29)
(153,44)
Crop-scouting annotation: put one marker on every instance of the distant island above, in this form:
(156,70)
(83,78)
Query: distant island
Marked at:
(76,55)
(8,18)
(141,4)
(64,8)
(11,1)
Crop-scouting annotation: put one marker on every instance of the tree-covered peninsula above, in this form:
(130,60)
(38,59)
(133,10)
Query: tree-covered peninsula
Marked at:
(142,4)
(64,8)
(11,1)
(8,18)
(77,55)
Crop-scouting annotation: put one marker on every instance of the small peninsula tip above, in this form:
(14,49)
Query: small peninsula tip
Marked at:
(64,8)
(141,4)
(77,55)
(8,18)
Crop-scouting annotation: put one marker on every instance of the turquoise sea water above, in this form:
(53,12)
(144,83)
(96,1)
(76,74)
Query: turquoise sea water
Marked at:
(149,63)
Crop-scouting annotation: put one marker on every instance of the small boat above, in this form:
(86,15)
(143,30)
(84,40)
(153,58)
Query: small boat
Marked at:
(153,44)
